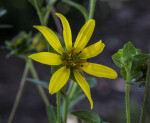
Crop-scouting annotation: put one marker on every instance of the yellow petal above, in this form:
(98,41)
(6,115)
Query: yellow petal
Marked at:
(99,70)
(84,34)
(59,79)
(47,58)
(66,31)
(92,50)
(84,85)
(51,38)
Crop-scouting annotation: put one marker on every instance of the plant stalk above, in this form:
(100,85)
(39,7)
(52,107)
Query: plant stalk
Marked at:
(127,97)
(58,108)
(92,8)
(39,12)
(40,88)
(146,95)
(65,109)
(19,93)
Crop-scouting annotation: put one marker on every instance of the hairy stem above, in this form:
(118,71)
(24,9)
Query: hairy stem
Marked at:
(146,95)
(127,97)
(19,93)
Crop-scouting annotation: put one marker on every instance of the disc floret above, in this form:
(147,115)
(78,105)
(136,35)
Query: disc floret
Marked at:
(72,60)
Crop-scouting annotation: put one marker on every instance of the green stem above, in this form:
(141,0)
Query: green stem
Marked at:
(58,108)
(78,7)
(41,90)
(19,94)
(65,108)
(127,103)
(146,95)
(39,12)
(73,90)
(92,8)
(70,94)
(127,98)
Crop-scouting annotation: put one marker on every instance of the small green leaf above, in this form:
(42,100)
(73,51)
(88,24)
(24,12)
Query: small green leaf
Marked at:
(52,113)
(123,73)
(140,59)
(38,82)
(128,50)
(88,116)
(118,59)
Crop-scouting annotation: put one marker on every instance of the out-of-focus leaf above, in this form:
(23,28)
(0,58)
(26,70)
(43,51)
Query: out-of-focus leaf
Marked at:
(52,113)
(40,2)
(77,6)
(3,26)
(92,83)
(136,76)
(141,85)
(88,116)
(140,59)
(2,12)
(76,100)
(38,82)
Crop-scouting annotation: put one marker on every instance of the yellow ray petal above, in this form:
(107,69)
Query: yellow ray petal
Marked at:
(92,50)
(66,31)
(47,58)
(99,70)
(51,38)
(84,34)
(59,79)
(84,85)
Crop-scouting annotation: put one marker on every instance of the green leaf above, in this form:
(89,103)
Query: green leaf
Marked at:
(140,59)
(52,113)
(129,51)
(118,59)
(88,116)
(92,81)
(123,73)
(38,82)
(136,75)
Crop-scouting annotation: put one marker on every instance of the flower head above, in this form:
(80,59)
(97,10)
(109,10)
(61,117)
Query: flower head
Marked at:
(74,58)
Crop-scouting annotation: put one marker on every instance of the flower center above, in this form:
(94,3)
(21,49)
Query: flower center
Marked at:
(71,59)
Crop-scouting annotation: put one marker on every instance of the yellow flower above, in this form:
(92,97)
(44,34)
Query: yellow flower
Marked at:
(74,58)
